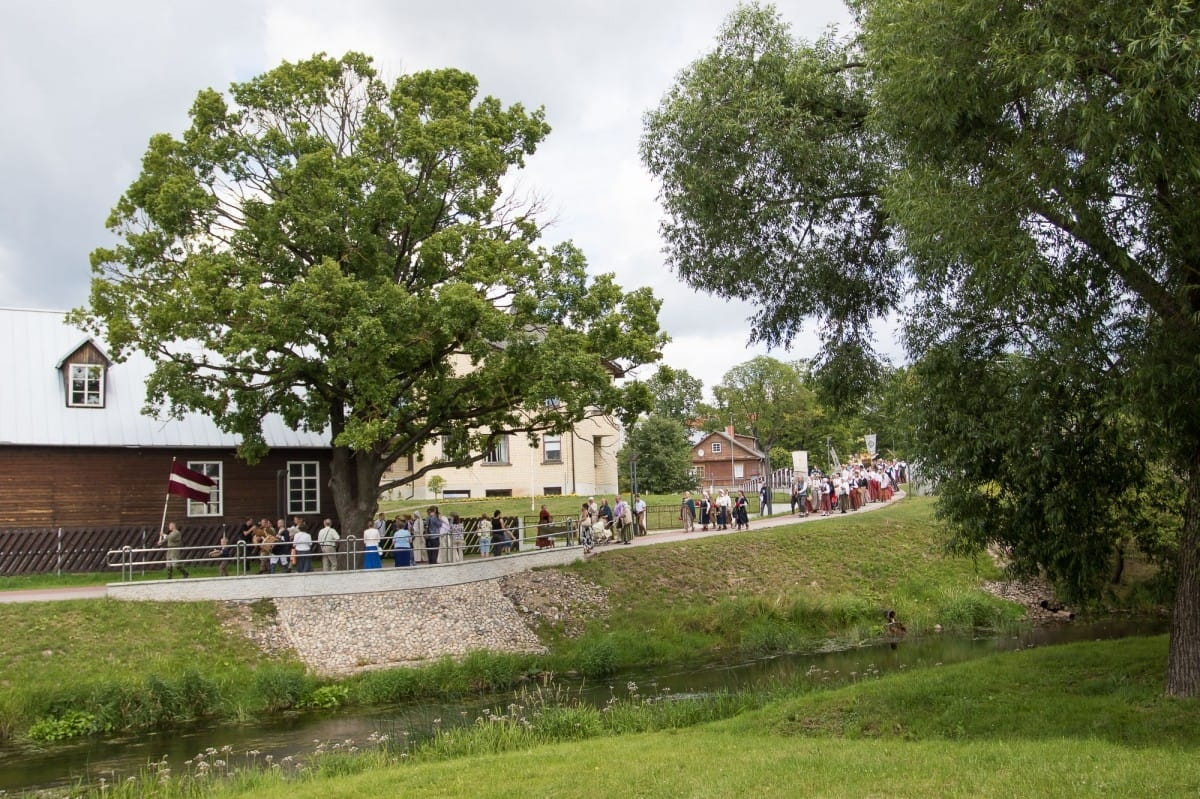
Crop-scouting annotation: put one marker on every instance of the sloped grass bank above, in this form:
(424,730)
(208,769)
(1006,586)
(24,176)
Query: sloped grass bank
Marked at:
(782,589)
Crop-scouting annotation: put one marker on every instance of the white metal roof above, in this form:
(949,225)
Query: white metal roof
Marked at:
(33,407)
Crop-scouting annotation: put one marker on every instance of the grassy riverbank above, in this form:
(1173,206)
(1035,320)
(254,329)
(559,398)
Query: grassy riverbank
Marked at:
(1081,720)
(98,665)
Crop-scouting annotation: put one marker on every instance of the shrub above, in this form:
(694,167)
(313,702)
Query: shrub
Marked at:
(598,658)
(72,724)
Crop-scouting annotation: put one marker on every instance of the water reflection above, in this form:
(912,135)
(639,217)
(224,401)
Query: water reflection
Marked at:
(297,734)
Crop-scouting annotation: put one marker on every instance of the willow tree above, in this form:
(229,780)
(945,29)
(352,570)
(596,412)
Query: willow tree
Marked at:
(340,251)
(1028,172)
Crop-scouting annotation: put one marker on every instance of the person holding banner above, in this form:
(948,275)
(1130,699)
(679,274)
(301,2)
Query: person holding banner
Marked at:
(172,537)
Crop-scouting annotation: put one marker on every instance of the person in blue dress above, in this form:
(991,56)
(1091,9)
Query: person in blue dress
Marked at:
(402,545)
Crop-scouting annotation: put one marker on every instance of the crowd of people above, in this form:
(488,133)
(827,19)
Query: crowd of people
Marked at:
(434,538)
(718,510)
(413,538)
(846,488)
(601,523)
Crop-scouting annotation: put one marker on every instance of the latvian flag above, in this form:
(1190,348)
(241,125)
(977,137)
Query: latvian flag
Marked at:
(186,483)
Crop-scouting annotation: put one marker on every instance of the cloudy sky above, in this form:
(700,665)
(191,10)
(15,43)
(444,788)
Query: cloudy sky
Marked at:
(86,84)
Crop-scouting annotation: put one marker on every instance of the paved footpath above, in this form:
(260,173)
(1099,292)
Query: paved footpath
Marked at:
(657,537)
(47,594)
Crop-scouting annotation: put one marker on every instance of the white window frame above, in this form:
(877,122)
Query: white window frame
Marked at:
(308,485)
(86,374)
(498,454)
(716,447)
(546,441)
(215,506)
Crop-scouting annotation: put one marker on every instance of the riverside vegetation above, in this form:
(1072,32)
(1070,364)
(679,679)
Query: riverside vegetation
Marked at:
(96,665)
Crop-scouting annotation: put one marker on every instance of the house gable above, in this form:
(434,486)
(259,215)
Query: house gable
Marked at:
(720,446)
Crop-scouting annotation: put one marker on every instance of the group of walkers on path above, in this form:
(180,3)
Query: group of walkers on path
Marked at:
(846,488)
(719,511)
(280,547)
(601,523)
(432,538)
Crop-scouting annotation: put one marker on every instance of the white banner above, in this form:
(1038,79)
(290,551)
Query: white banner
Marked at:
(800,461)
(871,443)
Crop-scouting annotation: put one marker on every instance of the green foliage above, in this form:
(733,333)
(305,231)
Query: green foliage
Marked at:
(280,688)
(780,458)
(1027,172)
(676,393)
(597,657)
(326,697)
(315,209)
(72,724)
(751,136)
(662,454)
(769,399)
(436,484)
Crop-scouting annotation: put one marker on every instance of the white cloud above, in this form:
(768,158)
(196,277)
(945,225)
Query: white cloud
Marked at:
(87,84)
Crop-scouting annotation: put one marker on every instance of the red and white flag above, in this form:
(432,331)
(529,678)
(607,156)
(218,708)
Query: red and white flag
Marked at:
(193,485)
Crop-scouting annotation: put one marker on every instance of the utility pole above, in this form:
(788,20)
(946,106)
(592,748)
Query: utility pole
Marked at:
(732,443)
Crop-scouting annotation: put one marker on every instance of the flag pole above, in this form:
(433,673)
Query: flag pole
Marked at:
(166,501)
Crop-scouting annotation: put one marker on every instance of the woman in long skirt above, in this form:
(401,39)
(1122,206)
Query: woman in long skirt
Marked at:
(371,558)
(458,539)
(402,545)
(585,529)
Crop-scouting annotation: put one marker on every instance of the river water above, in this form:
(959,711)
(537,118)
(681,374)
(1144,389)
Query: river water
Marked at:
(297,734)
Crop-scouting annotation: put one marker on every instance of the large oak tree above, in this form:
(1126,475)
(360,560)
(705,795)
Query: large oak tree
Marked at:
(326,246)
(1022,176)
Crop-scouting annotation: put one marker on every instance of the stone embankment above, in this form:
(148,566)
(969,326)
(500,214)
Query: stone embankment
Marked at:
(342,634)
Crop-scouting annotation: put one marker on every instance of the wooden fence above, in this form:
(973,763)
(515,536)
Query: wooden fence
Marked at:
(63,550)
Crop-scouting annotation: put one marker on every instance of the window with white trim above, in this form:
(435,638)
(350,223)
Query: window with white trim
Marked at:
(303,487)
(86,388)
(215,505)
(552,449)
(498,454)
(716,447)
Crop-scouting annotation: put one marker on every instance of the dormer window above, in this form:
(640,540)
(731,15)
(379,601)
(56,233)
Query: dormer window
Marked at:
(82,374)
(86,385)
